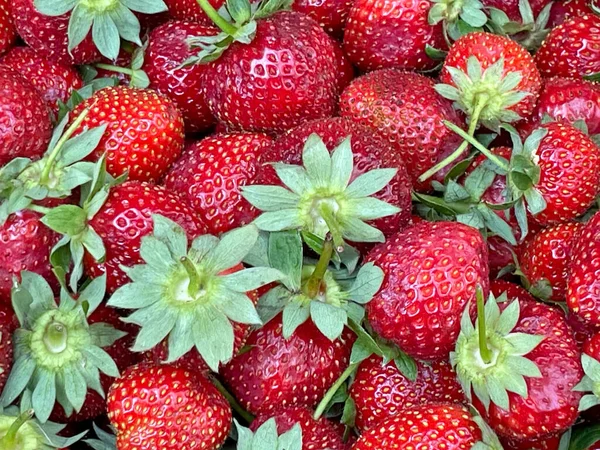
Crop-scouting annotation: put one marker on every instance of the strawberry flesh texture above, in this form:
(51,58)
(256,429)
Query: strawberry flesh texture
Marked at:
(191,10)
(8,34)
(8,324)
(344,68)
(513,291)
(545,443)
(330,14)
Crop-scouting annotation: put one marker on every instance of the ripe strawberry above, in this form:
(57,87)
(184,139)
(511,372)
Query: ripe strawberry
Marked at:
(546,257)
(546,443)
(8,33)
(344,67)
(381,391)
(320,434)
(404,109)
(196,414)
(26,126)
(391,34)
(331,14)
(54,81)
(278,372)
(144,134)
(582,330)
(561,11)
(126,217)
(167,50)
(513,291)
(210,173)
(431,272)
(8,324)
(191,10)
(571,49)
(512,10)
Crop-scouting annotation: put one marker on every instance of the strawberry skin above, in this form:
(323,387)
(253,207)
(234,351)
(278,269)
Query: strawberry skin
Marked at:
(26,126)
(391,33)
(277,372)
(431,272)
(511,7)
(54,81)
(8,324)
(162,407)
(126,217)
(8,34)
(330,14)
(571,49)
(513,291)
(562,11)
(190,10)
(381,391)
(210,173)
(166,52)
(144,134)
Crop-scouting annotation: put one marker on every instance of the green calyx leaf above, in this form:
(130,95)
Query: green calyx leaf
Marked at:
(590,383)
(451,11)
(105,441)
(266,437)
(319,198)
(58,355)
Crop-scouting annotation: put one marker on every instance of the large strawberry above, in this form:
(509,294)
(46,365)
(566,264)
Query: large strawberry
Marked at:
(195,414)
(210,173)
(331,14)
(561,11)
(391,34)
(431,272)
(404,110)
(191,10)
(8,324)
(144,133)
(167,50)
(8,33)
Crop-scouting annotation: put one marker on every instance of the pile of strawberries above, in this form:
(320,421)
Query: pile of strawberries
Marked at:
(309,225)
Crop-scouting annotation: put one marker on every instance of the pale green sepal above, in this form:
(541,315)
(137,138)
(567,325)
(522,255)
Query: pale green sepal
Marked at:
(294,178)
(76,387)
(370,183)
(591,367)
(181,339)
(19,377)
(232,248)
(54,7)
(329,319)
(237,307)
(156,324)
(135,295)
(273,302)
(341,165)
(104,334)
(294,315)
(369,208)
(523,343)
(213,337)
(156,253)
(44,394)
(171,234)
(317,162)
(251,279)
(101,360)
(367,283)
(106,36)
(358,231)
(588,401)
(285,219)
(284,252)
(270,198)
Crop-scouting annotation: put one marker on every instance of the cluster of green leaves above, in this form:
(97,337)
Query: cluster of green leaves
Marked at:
(590,383)
(266,437)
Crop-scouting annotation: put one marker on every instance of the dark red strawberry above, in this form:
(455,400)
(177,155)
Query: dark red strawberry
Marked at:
(8,33)
(344,67)
(571,49)
(8,324)
(331,14)
(196,415)
(144,135)
(381,390)
(54,81)
(126,217)
(562,11)
(546,443)
(582,330)
(191,10)
(391,34)
(404,109)
(513,291)
(276,372)
(210,173)
(167,50)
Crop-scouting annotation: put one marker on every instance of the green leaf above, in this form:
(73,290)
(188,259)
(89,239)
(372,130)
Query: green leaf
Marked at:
(286,219)
(146,6)
(38,288)
(93,244)
(102,360)
(76,387)
(213,337)
(240,10)
(265,438)
(54,7)
(18,379)
(77,148)
(329,319)
(316,160)
(370,208)
(588,401)
(172,234)
(135,296)
(496,225)
(156,253)
(370,183)
(406,365)
(44,395)
(94,293)
(250,279)
(523,343)
(270,198)
(157,324)
(272,303)
(259,255)
(106,36)
(294,315)
(285,254)
(127,23)
(291,440)
(66,219)
(342,165)
(368,282)
(584,438)
(358,231)
(237,307)
(294,177)
(181,339)
(232,248)
(473,17)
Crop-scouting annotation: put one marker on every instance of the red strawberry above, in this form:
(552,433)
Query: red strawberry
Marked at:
(319,434)
(571,49)
(512,10)
(592,346)
(562,11)
(144,134)
(167,50)
(582,330)
(546,443)
(126,217)
(546,257)
(344,67)
(331,14)
(8,33)
(191,10)
(26,126)
(54,81)
(276,372)
(381,391)
(393,33)
(513,291)
(8,324)
(210,173)
(164,407)
(431,272)
(404,109)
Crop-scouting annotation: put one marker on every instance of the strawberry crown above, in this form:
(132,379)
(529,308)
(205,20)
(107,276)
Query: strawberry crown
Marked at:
(590,383)
(459,16)
(266,437)
(319,198)
(182,294)
(108,20)
(58,355)
(105,441)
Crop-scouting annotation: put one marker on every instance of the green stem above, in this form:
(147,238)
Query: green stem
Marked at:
(314,282)
(55,338)
(193,275)
(60,144)
(484,350)
(214,15)
(9,439)
(111,68)
(232,401)
(322,406)
(39,209)
(334,228)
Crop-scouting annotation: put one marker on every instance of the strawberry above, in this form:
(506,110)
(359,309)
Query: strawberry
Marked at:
(395,34)
(167,50)
(8,33)
(210,174)
(546,257)
(546,443)
(277,372)
(582,330)
(512,8)
(331,14)
(320,434)
(561,11)
(125,218)
(571,49)
(54,81)
(404,110)
(195,414)
(191,10)
(144,134)
(8,324)
(431,271)
(344,67)
(26,126)
(513,291)
(381,390)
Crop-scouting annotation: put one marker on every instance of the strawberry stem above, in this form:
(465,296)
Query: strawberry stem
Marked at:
(39,209)
(313,286)
(111,68)
(232,401)
(484,350)
(9,439)
(214,15)
(334,228)
(322,406)
(193,275)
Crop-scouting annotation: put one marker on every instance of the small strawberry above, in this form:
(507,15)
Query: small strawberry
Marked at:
(8,34)
(144,133)
(210,173)
(8,324)
(174,409)
(191,10)
(331,14)
(167,50)
(571,49)
(431,271)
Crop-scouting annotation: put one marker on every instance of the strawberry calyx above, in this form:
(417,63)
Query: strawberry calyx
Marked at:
(191,296)
(137,77)
(590,383)
(267,436)
(458,16)
(108,21)
(105,441)
(319,198)
(58,354)
(489,359)
(489,439)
